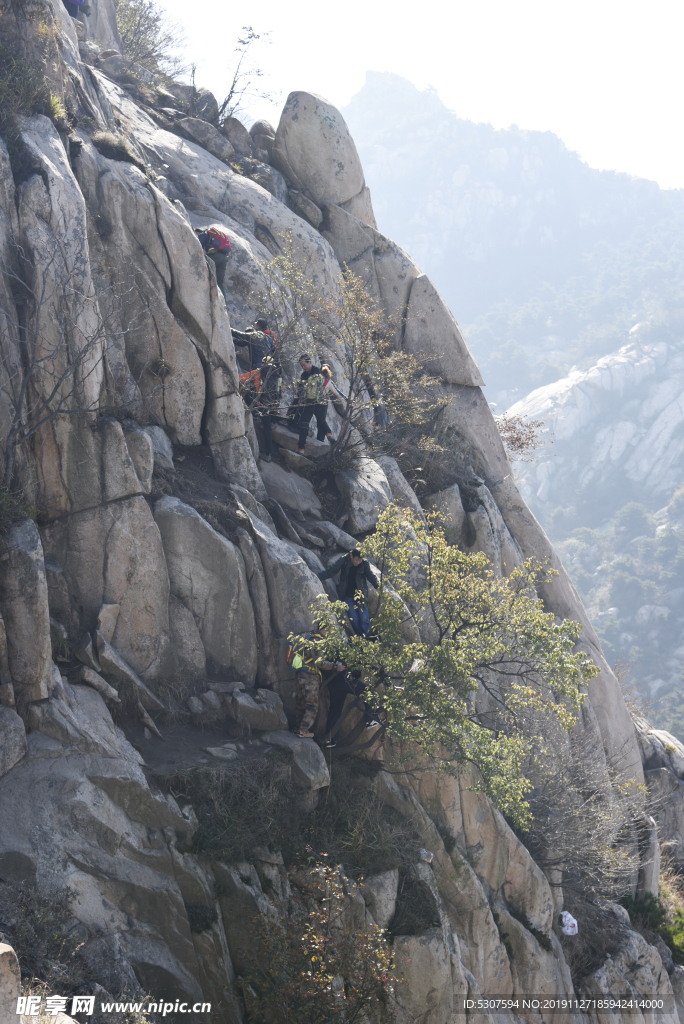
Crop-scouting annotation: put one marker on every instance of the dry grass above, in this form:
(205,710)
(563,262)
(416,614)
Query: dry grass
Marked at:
(256,803)
(116,147)
(671,885)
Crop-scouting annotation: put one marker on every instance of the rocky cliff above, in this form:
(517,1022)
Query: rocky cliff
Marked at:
(166,549)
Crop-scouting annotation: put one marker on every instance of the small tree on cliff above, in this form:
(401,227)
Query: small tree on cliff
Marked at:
(521,437)
(311,966)
(356,336)
(492,674)
(149,38)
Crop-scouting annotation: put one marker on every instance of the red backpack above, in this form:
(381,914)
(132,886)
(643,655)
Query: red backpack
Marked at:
(221,240)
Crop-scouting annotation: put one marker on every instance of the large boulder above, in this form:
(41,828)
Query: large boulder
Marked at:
(112,554)
(238,136)
(314,150)
(448,503)
(308,763)
(366,492)
(288,488)
(208,136)
(207,573)
(402,492)
(263,711)
(292,587)
(380,895)
(197,102)
(24,605)
(10,984)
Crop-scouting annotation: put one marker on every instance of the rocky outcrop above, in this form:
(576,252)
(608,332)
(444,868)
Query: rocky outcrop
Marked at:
(147,595)
(207,574)
(614,425)
(25,612)
(314,150)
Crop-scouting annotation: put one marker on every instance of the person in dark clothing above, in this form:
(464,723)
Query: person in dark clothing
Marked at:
(216,245)
(339,688)
(267,399)
(74,8)
(355,575)
(312,402)
(258,341)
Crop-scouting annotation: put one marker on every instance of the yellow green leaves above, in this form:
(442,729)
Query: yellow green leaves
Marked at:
(492,673)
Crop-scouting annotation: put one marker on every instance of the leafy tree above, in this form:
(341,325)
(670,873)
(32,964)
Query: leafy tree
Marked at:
(492,673)
(311,966)
(149,38)
(633,519)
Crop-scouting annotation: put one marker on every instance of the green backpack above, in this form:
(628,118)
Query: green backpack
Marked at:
(314,389)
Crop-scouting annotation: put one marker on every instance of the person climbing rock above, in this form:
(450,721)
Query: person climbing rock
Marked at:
(308,668)
(355,575)
(313,401)
(266,400)
(258,341)
(339,688)
(216,245)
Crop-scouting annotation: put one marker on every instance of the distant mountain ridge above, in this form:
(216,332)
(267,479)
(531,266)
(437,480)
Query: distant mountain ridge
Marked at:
(545,262)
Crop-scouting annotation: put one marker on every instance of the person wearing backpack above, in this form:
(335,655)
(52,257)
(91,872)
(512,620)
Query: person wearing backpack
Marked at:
(313,401)
(266,400)
(308,668)
(258,341)
(216,245)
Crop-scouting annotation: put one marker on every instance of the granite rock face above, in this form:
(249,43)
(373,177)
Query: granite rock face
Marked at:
(168,570)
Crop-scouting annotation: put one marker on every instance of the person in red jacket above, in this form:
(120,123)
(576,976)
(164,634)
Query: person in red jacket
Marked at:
(216,245)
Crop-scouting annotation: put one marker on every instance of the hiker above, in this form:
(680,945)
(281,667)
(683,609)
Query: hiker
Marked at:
(74,8)
(267,400)
(339,688)
(308,668)
(258,340)
(355,575)
(216,245)
(312,402)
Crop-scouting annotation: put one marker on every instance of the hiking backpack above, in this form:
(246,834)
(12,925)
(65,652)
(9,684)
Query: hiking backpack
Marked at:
(314,389)
(220,239)
(298,657)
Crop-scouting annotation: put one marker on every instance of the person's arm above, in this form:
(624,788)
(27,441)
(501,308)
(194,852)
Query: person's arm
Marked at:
(240,337)
(325,574)
(370,575)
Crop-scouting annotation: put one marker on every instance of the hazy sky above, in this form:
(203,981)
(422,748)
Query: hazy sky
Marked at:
(604,75)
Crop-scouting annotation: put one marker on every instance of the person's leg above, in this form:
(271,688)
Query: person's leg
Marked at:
(338,689)
(321,422)
(73,9)
(305,415)
(220,261)
(309,684)
(353,615)
(358,688)
(364,619)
